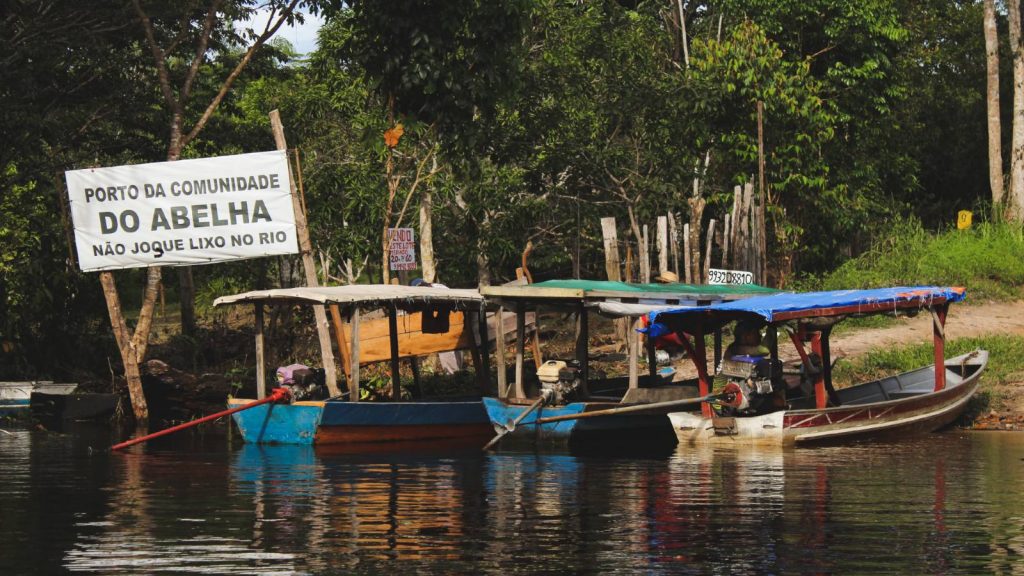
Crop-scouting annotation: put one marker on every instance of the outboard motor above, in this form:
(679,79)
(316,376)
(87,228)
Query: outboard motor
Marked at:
(302,382)
(749,383)
(559,381)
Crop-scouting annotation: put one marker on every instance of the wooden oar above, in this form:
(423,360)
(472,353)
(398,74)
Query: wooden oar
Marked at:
(628,409)
(512,425)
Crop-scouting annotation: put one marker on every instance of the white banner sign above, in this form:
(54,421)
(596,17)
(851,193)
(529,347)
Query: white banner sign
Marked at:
(403,248)
(716,276)
(184,212)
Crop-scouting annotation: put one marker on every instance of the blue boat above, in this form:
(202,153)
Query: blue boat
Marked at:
(344,419)
(568,406)
(343,422)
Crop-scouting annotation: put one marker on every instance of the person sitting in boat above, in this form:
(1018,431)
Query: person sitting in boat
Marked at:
(746,340)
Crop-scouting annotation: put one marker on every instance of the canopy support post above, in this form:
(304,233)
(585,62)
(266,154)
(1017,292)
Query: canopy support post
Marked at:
(518,392)
(499,352)
(701,360)
(633,340)
(826,366)
(261,368)
(583,349)
(939,337)
(483,349)
(353,382)
(820,396)
(396,376)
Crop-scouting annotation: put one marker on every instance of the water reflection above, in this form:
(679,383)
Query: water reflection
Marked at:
(944,504)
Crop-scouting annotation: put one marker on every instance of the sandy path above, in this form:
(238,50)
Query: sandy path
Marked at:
(964,321)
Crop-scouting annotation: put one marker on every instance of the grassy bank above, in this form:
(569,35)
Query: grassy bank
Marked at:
(988,259)
(1002,384)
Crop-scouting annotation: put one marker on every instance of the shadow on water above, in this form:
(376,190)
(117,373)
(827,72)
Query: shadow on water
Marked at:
(946,503)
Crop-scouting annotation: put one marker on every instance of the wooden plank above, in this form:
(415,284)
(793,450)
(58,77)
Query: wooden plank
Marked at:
(611,249)
(673,242)
(707,250)
(645,257)
(306,249)
(686,253)
(261,363)
(499,349)
(662,244)
(353,381)
(396,375)
(726,237)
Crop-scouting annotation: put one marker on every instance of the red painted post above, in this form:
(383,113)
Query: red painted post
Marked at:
(278,394)
(939,335)
(820,396)
(701,360)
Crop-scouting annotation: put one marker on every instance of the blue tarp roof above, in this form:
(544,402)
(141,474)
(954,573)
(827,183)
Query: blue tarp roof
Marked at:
(768,307)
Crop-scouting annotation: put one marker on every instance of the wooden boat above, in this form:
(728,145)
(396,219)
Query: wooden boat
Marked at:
(345,418)
(15,397)
(756,404)
(566,409)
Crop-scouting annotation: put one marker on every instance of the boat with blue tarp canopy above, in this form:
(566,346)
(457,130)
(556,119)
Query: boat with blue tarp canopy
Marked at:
(751,397)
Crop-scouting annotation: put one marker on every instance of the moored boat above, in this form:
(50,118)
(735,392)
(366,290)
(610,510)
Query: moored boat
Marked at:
(400,334)
(572,408)
(16,397)
(758,402)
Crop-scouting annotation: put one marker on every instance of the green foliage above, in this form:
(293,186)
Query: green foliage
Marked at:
(987,259)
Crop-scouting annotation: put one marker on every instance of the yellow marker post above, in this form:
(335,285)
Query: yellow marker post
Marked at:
(963,219)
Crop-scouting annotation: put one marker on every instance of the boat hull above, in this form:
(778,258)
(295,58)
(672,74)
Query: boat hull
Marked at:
(613,428)
(15,397)
(923,412)
(337,422)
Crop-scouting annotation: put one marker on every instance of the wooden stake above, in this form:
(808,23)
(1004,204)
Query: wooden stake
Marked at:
(396,369)
(261,362)
(306,248)
(686,252)
(611,249)
(645,257)
(662,244)
(520,346)
(726,236)
(707,250)
(673,242)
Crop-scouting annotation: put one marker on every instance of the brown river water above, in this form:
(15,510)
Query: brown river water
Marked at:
(948,503)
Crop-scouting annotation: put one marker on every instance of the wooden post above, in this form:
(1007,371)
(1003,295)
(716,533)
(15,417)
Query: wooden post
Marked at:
(520,347)
(686,252)
(662,244)
(939,337)
(726,237)
(353,383)
(633,349)
(629,263)
(306,248)
(673,242)
(396,373)
(645,257)
(339,339)
(718,349)
(820,395)
(701,360)
(583,349)
(499,350)
(611,249)
(484,378)
(762,197)
(261,368)
(707,250)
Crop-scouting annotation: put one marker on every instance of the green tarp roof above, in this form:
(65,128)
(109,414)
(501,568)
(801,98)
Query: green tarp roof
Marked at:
(676,288)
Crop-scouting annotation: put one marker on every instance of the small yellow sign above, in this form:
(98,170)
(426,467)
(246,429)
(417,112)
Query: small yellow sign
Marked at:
(963,219)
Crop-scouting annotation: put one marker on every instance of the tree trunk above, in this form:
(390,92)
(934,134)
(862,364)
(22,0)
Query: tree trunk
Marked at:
(1016,200)
(696,214)
(426,236)
(129,355)
(995,151)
